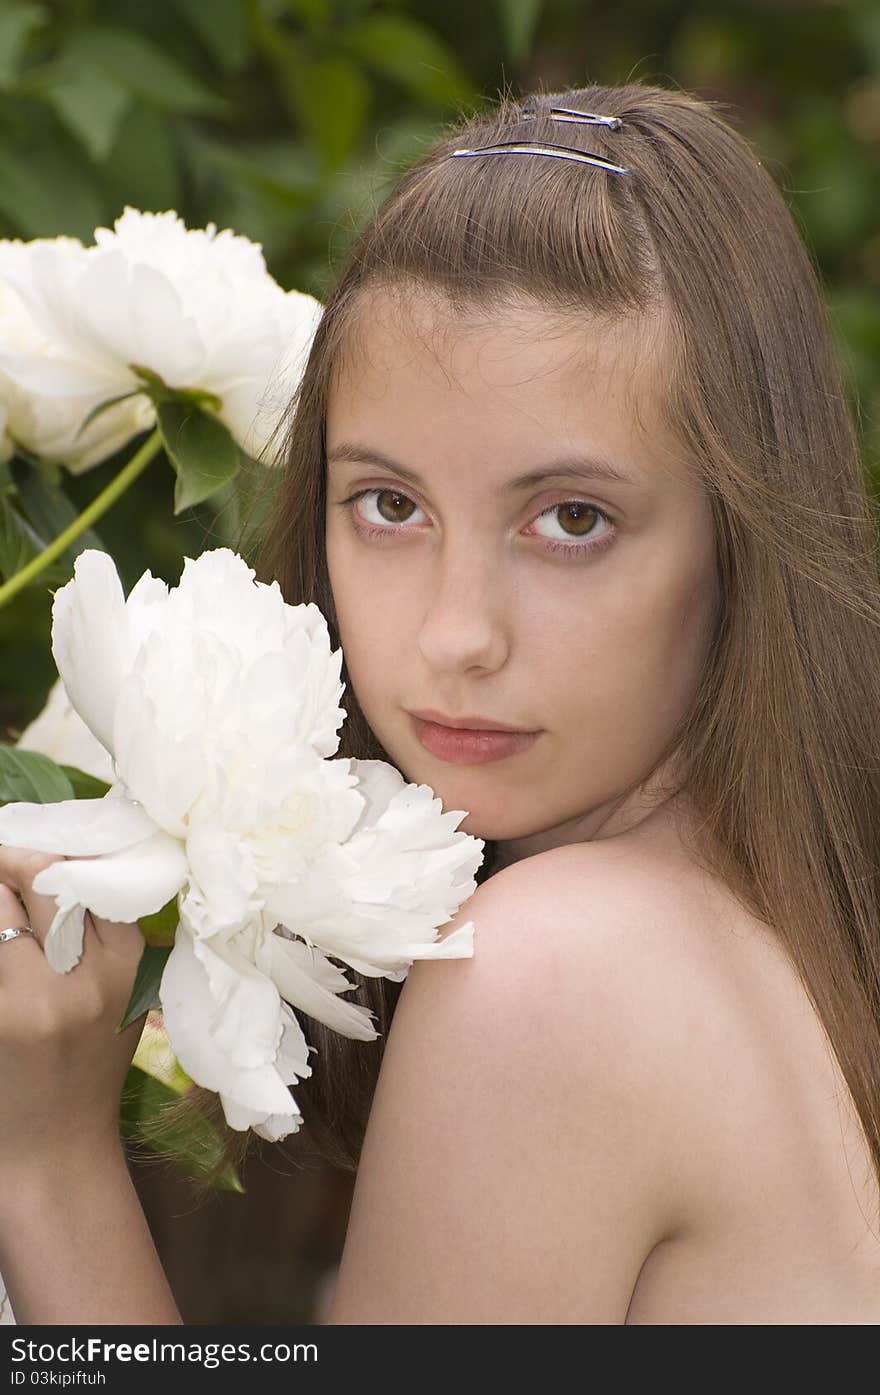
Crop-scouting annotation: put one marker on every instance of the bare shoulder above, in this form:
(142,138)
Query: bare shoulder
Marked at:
(756,1127)
(662,953)
(520,1159)
(623,938)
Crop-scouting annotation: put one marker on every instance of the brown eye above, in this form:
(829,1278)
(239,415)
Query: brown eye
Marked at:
(398,510)
(578,521)
(581,516)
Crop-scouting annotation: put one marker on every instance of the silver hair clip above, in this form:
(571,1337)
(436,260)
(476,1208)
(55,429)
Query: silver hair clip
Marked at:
(559,152)
(587,118)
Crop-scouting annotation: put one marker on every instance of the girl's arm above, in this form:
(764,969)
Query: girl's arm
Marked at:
(74,1242)
(76,1247)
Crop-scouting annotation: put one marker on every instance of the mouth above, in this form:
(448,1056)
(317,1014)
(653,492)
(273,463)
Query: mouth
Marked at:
(469,745)
(468,723)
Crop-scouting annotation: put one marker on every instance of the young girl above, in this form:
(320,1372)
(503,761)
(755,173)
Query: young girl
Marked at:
(572,465)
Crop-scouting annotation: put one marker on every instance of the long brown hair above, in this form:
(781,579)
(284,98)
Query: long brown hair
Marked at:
(780,747)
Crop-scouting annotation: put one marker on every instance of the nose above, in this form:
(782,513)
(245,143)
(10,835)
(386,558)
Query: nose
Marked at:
(465,625)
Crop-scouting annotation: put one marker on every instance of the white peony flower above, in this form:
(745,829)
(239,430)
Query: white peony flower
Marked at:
(43,420)
(60,732)
(196,307)
(219,704)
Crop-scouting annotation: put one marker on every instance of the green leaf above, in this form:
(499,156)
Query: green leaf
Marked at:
(519,20)
(161,927)
(84,785)
(17,22)
(313,13)
(333,98)
(17,541)
(240,512)
(865,22)
(145,989)
(412,56)
(144,166)
(223,28)
(193,1143)
(143,69)
(49,511)
(91,104)
(201,450)
(282,169)
(29,777)
(158,390)
(20,543)
(44,194)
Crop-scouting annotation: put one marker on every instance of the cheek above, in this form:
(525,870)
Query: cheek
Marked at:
(668,647)
(350,599)
(631,664)
(369,612)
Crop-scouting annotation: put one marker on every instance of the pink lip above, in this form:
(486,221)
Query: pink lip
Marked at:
(427,714)
(460,746)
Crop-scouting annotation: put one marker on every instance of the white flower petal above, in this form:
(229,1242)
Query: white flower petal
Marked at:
(379,783)
(278,1126)
(271,1126)
(59,732)
(248,1020)
(307,980)
(254,407)
(458,944)
(192,1016)
(292,1061)
(64,938)
(88,619)
(226,884)
(145,609)
(48,394)
(292,1065)
(76,827)
(122,885)
(376,903)
(7,1316)
(60,377)
(127,308)
(163,769)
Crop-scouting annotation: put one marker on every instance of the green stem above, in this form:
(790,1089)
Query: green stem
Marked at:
(117,486)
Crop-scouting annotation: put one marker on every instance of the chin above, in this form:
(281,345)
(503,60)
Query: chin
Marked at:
(491,830)
(487,817)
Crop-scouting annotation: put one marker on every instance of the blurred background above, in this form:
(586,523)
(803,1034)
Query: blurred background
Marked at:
(288,121)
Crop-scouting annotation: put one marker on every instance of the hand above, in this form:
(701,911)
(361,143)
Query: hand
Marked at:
(62,1065)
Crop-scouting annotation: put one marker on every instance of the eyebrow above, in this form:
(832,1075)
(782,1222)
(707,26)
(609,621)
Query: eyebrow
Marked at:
(572,467)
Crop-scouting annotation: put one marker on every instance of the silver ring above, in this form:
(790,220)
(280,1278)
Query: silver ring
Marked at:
(13,932)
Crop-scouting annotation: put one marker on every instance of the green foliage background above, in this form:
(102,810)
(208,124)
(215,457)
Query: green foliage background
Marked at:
(287,120)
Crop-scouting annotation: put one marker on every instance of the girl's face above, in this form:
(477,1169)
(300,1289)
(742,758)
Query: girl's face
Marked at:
(577,607)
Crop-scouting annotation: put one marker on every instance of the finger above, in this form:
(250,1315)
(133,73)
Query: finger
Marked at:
(24,972)
(121,949)
(18,868)
(123,940)
(21,867)
(13,914)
